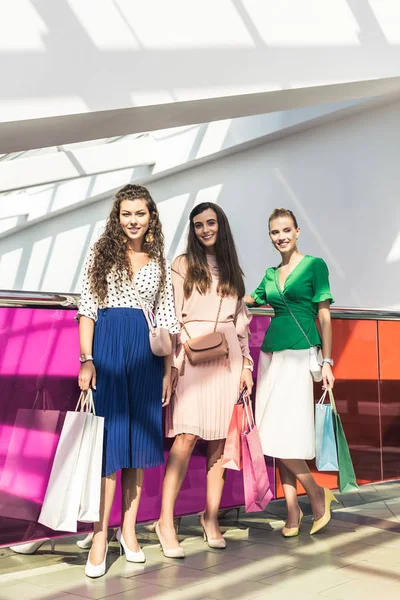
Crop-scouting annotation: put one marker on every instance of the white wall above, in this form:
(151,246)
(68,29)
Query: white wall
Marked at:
(75,57)
(172,148)
(341,179)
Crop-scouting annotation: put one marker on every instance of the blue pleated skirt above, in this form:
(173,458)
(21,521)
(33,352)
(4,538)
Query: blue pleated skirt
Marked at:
(128,390)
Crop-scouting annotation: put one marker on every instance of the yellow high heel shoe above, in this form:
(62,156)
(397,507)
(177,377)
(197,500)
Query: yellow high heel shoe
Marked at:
(293,531)
(326,517)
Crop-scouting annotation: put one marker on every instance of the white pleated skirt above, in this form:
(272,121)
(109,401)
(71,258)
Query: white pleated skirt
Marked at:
(285,404)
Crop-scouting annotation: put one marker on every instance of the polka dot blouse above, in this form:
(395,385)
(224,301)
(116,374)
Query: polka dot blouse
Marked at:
(147,281)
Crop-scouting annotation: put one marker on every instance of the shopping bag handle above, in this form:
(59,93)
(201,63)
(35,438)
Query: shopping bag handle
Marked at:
(43,395)
(248,411)
(242,395)
(85,402)
(328,391)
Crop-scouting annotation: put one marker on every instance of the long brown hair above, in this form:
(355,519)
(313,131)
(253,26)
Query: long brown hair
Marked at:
(110,249)
(198,272)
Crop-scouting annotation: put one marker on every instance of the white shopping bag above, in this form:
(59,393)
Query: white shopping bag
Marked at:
(89,510)
(62,502)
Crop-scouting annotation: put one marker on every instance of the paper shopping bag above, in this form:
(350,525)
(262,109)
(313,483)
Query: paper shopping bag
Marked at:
(89,510)
(326,458)
(30,454)
(257,489)
(232,458)
(346,478)
(62,503)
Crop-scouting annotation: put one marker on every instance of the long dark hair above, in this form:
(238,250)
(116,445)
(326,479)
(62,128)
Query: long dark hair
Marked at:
(198,273)
(110,248)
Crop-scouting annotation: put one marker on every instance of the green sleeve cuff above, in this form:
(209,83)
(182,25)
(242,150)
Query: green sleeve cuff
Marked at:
(258,300)
(323,297)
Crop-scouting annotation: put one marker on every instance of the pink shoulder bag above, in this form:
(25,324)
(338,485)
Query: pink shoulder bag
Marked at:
(160,339)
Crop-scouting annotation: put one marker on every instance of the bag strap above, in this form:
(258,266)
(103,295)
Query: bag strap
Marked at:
(329,391)
(143,307)
(216,321)
(289,309)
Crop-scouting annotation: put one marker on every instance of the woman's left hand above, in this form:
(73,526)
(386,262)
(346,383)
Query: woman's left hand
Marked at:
(328,379)
(246,381)
(166,389)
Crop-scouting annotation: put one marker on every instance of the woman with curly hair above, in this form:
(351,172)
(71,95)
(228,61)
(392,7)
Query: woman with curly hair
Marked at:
(130,383)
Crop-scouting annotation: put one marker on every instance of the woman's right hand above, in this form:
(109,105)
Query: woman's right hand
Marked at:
(87,376)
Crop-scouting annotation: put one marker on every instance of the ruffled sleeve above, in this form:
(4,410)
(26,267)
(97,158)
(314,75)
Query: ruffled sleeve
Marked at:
(242,322)
(88,303)
(260,294)
(178,277)
(321,287)
(165,308)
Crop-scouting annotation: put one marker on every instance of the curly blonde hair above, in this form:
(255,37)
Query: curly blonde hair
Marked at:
(109,252)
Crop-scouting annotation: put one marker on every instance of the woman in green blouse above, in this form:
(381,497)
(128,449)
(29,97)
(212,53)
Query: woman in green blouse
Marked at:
(284,400)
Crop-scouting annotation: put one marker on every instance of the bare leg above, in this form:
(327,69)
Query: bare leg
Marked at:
(215,486)
(315,492)
(132,483)
(108,485)
(177,465)
(289,490)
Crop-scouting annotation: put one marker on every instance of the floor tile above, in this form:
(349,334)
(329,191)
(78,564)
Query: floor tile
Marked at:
(250,570)
(56,577)
(259,551)
(363,590)
(28,591)
(370,570)
(18,562)
(203,560)
(102,587)
(123,568)
(375,555)
(148,592)
(230,590)
(176,577)
(314,581)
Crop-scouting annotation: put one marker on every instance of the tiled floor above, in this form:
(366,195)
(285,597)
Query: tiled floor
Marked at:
(356,557)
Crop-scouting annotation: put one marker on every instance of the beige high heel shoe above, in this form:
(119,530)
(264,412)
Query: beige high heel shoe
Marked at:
(151,527)
(293,531)
(219,543)
(326,517)
(169,552)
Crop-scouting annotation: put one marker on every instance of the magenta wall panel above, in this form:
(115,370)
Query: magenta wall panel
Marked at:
(38,359)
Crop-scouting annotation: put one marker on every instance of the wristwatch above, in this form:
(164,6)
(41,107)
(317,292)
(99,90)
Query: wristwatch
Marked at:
(250,367)
(85,357)
(328,360)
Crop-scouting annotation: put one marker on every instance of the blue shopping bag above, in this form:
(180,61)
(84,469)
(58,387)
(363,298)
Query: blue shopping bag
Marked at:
(326,457)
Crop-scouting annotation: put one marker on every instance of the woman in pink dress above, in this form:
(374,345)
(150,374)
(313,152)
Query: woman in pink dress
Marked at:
(208,288)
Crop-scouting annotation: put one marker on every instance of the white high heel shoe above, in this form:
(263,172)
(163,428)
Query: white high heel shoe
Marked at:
(86,543)
(94,571)
(130,555)
(32,547)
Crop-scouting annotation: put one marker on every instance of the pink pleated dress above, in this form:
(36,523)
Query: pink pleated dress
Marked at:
(205,395)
